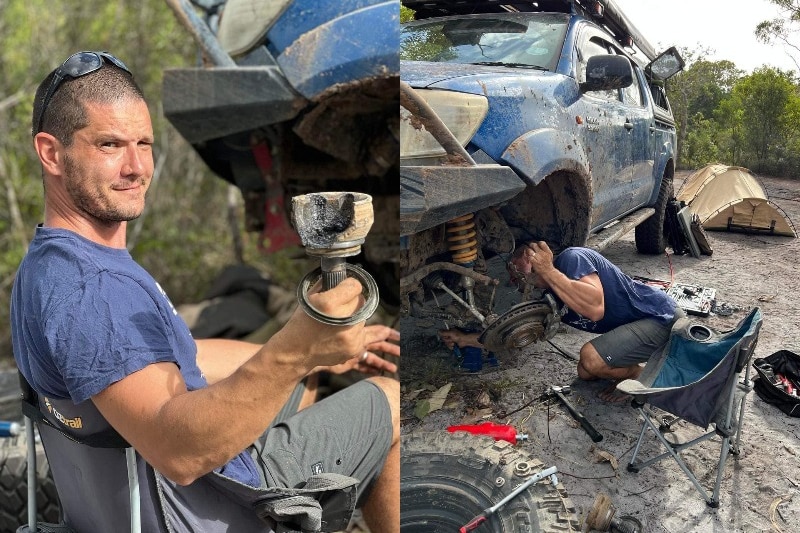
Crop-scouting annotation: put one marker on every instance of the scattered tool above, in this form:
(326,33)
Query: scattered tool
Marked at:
(496,431)
(601,518)
(559,393)
(484,516)
(787,384)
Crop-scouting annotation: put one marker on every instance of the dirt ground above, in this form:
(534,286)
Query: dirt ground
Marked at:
(760,488)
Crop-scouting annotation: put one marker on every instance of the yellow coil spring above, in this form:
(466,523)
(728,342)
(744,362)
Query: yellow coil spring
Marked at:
(461,239)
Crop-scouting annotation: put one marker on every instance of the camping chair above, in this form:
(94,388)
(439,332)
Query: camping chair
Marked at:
(106,439)
(89,461)
(695,378)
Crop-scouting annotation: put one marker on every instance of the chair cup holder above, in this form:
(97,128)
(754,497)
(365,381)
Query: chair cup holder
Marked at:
(700,333)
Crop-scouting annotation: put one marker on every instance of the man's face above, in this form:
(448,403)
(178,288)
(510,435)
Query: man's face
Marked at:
(109,165)
(521,271)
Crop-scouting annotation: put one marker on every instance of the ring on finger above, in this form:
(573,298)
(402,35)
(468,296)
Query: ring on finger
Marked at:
(363,357)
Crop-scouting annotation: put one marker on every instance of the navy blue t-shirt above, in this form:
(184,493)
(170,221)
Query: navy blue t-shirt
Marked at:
(626,300)
(84,316)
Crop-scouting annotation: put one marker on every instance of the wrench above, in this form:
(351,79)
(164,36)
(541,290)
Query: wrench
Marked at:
(585,424)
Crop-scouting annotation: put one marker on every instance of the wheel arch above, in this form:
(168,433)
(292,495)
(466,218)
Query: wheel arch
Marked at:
(557,209)
(540,153)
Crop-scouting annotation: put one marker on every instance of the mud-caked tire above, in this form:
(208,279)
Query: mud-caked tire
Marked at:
(651,235)
(446,479)
(14,486)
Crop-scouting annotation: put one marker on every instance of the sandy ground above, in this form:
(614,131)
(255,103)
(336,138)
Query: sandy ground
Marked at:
(760,488)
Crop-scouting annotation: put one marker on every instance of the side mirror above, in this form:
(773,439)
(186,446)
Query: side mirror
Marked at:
(605,72)
(666,65)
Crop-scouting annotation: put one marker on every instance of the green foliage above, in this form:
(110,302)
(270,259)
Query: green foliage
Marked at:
(406,14)
(769,111)
(700,146)
(725,116)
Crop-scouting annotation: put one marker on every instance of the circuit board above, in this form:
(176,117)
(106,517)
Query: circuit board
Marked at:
(693,299)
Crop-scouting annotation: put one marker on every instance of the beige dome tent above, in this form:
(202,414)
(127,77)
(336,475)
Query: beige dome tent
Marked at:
(731,198)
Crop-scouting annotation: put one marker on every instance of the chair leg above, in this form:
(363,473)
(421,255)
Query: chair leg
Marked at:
(747,388)
(723,458)
(133,490)
(31,469)
(674,450)
(638,444)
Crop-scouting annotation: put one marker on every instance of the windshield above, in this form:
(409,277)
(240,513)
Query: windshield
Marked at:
(532,40)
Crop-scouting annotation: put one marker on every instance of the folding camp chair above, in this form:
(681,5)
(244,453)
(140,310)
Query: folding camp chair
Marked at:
(90,463)
(33,415)
(696,379)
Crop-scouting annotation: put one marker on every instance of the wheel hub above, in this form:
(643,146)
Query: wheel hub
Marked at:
(522,325)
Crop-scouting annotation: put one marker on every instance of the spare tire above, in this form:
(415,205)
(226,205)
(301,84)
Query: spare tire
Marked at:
(14,485)
(446,479)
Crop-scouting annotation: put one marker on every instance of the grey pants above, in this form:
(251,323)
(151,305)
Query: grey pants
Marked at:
(634,343)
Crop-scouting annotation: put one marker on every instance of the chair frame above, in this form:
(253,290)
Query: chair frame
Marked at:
(728,428)
(30,410)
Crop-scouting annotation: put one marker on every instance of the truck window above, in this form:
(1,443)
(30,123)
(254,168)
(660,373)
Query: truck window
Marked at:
(590,48)
(633,92)
(516,40)
(659,96)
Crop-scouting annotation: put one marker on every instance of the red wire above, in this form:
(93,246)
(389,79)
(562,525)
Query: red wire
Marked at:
(671,271)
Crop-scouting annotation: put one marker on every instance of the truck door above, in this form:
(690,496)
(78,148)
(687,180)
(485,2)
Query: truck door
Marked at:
(607,140)
(640,124)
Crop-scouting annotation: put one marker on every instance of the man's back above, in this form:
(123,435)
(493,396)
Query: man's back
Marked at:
(625,299)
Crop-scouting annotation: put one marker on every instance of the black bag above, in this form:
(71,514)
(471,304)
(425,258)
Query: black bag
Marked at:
(672,229)
(768,387)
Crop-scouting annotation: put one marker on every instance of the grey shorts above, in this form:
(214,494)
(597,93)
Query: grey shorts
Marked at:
(347,433)
(634,343)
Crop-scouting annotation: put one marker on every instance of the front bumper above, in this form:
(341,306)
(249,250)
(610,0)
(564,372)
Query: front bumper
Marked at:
(432,195)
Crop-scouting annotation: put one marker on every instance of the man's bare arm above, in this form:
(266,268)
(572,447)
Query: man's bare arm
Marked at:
(186,434)
(219,358)
(584,295)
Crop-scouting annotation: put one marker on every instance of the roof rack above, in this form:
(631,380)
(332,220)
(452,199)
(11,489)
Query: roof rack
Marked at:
(605,13)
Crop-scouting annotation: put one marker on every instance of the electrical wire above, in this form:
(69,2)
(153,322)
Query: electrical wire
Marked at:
(563,352)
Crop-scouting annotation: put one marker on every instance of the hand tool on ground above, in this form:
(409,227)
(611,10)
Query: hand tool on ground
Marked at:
(496,431)
(486,513)
(333,226)
(559,392)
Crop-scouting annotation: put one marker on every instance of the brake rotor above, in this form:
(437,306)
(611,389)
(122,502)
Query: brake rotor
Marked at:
(522,325)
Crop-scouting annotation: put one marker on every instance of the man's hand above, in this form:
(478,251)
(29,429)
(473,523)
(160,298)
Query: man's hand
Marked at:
(539,257)
(533,259)
(378,339)
(312,343)
(452,337)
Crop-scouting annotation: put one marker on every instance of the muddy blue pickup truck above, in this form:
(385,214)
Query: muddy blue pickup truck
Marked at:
(548,122)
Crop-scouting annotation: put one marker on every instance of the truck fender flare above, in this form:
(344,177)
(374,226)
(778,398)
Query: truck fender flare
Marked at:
(539,153)
(666,155)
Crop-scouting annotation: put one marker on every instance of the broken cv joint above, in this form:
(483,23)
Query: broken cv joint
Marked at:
(333,226)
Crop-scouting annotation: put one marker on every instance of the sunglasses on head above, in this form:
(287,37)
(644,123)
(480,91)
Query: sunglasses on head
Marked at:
(76,65)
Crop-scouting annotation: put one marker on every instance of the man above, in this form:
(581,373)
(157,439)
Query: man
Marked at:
(90,325)
(634,319)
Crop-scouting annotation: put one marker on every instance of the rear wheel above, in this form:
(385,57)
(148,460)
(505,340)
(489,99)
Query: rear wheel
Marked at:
(446,479)
(14,486)
(651,235)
